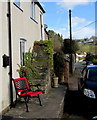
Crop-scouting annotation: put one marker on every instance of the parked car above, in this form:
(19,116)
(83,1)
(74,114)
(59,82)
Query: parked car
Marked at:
(88,82)
(94,118)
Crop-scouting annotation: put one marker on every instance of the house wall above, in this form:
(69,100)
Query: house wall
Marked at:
(0,58)
(5,50)
(22,27)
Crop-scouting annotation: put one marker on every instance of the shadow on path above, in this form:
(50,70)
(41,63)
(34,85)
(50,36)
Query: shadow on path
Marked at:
(79,105)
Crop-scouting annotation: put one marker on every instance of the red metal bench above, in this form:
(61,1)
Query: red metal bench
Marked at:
(23,90)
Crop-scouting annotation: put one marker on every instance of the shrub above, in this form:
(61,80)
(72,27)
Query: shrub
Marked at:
(95,61)
(59,63)
(89,57)
(81,58)
(29,70)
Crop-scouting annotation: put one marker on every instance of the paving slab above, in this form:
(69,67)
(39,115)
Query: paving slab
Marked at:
(52,106)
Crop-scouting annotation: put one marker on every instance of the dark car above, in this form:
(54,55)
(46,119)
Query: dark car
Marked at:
(88,82)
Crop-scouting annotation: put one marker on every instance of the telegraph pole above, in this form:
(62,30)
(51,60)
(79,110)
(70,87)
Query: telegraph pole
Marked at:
(70,42)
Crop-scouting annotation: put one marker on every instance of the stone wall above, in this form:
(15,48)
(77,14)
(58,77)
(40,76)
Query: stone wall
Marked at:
(41,59)
(66,72)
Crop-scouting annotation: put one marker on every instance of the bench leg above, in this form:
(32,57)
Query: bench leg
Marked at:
(28,99)
(39,100)
(25,98)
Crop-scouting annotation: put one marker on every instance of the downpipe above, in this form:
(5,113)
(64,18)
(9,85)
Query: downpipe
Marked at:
(10,52)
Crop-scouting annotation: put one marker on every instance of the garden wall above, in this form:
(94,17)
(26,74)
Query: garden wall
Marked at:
(41,60)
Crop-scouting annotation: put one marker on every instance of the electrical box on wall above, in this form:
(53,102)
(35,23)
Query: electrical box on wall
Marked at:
(5,60)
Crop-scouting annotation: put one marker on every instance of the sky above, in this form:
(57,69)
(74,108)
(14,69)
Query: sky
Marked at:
(83,17)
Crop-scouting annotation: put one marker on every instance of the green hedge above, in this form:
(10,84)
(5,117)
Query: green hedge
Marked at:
(48,47)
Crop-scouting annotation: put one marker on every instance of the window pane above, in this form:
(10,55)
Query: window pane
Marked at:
(92,74)
(17,2)
(33,10)
(41,26)
(22,51)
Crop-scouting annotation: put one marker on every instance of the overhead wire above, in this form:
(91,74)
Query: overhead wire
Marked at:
(85,26)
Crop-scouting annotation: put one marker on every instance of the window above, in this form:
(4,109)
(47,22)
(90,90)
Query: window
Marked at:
(22,50)
(33,10)
(17,3)
(92,75)
(41,26)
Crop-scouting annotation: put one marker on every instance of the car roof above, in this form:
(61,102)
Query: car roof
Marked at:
(91,66)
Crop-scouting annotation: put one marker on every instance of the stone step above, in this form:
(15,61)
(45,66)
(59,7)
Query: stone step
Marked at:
(41,58)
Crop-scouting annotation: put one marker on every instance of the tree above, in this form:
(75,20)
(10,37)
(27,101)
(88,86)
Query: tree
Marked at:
(69,48)
(89,57)
(57,38)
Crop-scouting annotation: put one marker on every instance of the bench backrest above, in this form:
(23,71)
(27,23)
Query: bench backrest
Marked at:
(21,84)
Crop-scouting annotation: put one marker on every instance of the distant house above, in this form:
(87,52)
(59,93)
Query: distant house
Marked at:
(21,23)
(89,41)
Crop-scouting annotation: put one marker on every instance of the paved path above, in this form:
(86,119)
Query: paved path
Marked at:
(73,80)
(53,104)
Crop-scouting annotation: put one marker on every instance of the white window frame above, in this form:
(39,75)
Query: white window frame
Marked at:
(22,50)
